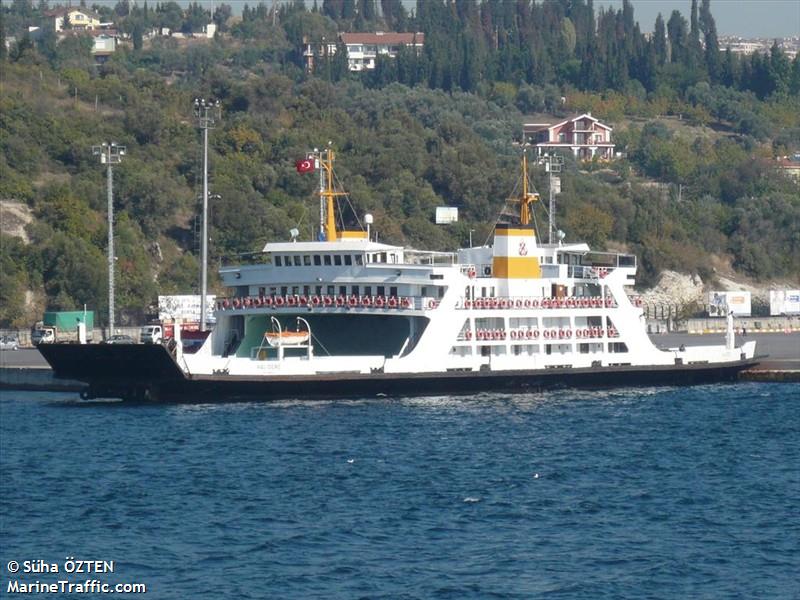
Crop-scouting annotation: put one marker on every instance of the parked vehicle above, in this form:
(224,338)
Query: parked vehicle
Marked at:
(63,326)
(120,339)
(9,342)
(151,334)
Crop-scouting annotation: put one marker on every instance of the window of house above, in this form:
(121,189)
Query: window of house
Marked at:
(278,261)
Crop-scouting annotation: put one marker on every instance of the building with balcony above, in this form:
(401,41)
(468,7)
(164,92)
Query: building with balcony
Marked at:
(79,18)
(363,49)
(584,135)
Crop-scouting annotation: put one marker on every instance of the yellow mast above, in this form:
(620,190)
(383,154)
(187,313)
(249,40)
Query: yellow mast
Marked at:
(528,198)
(327,193)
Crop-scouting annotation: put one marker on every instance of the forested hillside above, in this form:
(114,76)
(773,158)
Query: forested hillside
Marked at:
(441,128)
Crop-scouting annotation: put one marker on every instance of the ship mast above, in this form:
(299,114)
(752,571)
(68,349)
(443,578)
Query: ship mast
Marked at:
(327,214)
(528,198)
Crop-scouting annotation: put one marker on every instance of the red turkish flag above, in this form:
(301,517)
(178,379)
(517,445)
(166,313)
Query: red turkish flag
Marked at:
(305,165)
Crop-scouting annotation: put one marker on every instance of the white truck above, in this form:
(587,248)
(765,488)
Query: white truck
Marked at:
(151,334)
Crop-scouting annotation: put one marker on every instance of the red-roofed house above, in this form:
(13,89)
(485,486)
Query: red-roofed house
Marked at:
(364,48)
(585,135)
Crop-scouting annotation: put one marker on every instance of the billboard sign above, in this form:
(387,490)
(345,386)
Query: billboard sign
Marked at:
(184,307)
(784,302)
(720,303)
(446,215)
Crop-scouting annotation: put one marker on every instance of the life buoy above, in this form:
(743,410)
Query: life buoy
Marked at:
(392,302)
(379,302)
(327,301)
(478,303)
(529,334)
(303,301)
(405,302)
(226,303)
(568,333)
(570,302)
(609,302)
(315,300)
(638,301)
(268,301)
(291,300)
(366,301)
(467,304)
(339,301)
(236,303)
(471,273)
(579,333)
(546,334)
(613,332)
(535,303)
(528,303)
(432,304)
(468,334)
(513,334)
(480,334)
(562,334)
(535,334)
(257,302)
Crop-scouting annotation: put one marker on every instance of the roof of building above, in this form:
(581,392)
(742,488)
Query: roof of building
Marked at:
(62,10)
(383,37)
(534,127)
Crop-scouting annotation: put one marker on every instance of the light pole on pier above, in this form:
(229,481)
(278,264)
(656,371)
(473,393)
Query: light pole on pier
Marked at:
(206,111)
(110,154)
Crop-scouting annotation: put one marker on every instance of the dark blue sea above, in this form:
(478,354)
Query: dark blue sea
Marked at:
(634,493)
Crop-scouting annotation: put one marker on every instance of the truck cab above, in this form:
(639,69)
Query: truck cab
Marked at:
(43,335)
(151,334)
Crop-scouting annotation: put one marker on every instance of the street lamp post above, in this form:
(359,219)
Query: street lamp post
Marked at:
(206,111)
(110,154)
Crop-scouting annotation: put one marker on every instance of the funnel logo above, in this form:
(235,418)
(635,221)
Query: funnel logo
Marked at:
(523,249)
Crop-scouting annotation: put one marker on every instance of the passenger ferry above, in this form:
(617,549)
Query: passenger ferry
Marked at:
(349,316)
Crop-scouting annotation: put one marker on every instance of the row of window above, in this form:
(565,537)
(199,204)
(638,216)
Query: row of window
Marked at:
(328,260)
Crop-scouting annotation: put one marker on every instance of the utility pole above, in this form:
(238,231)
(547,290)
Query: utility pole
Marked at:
(110,154)
(202,108)
(552,164)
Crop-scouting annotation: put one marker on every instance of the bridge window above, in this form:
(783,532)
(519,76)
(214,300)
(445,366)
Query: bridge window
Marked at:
(327,259)
(306,260)
(284,290)
(354,289)
(381,291)
(343,290)
(337,260)
(359,259)
(278,261)
(348,260)
(317,260)
(368,290)
(331,290)
(393,290)
(297,260)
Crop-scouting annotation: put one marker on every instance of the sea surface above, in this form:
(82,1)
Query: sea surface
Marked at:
(633,493)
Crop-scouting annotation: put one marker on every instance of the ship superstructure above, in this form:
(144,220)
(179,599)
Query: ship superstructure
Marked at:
(370,307)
